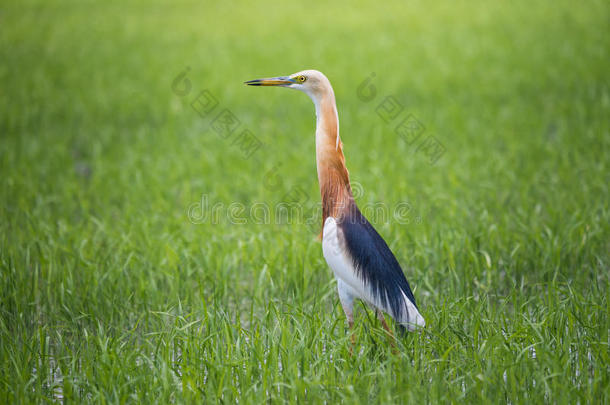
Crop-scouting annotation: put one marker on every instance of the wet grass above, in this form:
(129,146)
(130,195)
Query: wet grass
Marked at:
(119,285)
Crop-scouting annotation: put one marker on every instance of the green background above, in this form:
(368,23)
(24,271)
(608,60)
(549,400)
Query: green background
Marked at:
(111,292)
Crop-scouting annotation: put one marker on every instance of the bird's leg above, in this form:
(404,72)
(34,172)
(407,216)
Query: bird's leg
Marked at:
(350,322)
(383,322)
(387,329)
(347,302)
(349,314)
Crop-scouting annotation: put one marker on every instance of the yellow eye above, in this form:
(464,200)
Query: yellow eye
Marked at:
(301,79)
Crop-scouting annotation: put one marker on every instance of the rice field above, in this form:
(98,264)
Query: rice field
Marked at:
(159,219)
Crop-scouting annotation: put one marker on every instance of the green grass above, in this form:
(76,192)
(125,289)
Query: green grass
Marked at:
(109,292)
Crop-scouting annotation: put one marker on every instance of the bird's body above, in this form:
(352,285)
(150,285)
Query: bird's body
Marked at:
(362,262)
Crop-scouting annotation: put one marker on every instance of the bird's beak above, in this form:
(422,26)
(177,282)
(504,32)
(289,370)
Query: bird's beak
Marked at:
(271,81)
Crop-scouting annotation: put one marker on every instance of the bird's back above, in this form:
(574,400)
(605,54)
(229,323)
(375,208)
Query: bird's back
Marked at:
(361,258)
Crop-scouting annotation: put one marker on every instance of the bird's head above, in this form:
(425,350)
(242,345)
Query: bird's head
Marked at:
(311,82)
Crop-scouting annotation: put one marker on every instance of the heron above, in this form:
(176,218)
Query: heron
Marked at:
(364,266)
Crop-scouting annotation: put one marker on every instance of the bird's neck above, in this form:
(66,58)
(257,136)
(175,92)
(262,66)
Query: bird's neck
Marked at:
(333,176)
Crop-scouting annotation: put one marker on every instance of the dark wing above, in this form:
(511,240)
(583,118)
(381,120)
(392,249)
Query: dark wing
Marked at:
(374,262)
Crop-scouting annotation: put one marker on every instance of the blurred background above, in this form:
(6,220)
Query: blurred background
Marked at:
(120,121)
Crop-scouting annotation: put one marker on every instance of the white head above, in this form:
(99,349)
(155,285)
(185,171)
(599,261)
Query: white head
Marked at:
(311,82)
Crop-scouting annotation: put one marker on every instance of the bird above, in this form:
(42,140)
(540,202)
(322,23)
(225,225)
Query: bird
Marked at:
(364,266)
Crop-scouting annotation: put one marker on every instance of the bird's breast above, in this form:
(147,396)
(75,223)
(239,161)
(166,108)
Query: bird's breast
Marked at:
(335,253)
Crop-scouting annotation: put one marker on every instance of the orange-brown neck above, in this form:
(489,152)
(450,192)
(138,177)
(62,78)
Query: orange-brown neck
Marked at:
(333,176)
